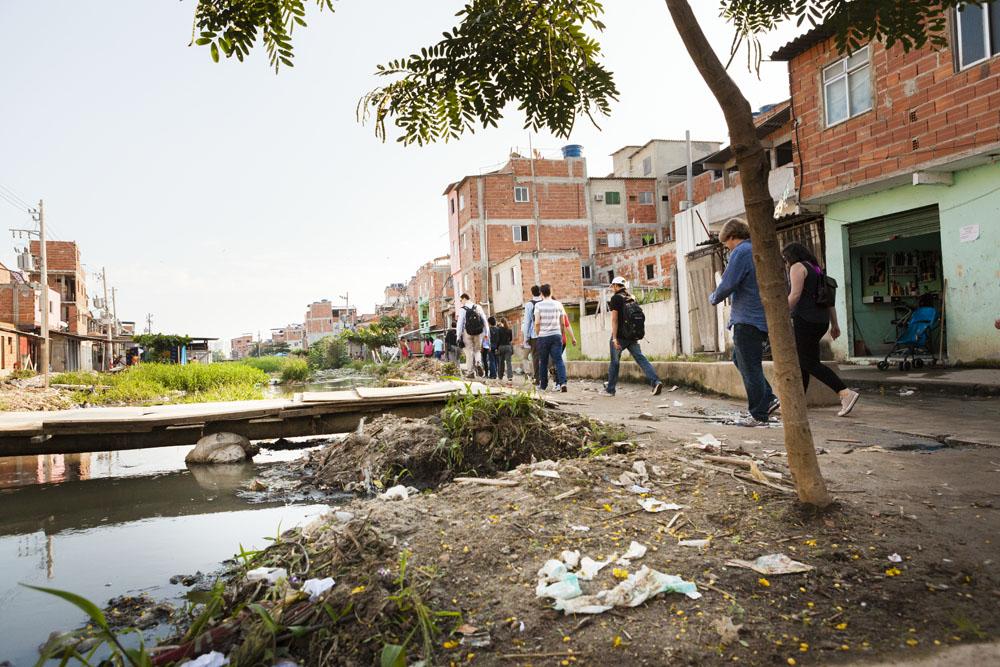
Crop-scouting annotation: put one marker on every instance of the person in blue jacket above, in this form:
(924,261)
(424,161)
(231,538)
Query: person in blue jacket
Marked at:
(746,319)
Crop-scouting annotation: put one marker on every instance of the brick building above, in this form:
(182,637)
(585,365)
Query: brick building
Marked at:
(323,320)
(900,149)
(428,298)
(68,277)
(292,335)
(394,300)
(240,348)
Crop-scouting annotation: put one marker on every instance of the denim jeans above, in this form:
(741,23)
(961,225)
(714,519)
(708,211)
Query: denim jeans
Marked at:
(550,347)
(633,348)
(748,349)
(505,354)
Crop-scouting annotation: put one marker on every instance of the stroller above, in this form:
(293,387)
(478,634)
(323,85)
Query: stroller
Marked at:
(914,341)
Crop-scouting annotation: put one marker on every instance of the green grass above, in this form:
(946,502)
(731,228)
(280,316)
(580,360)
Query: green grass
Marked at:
(289,369)
(266,364)
(295,370)
(167,383)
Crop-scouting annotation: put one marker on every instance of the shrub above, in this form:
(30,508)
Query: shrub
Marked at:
(266,364)
(295,370)
(328,353)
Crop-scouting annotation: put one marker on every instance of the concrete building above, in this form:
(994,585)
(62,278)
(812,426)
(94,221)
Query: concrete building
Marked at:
(241,347)
(394,300)
(900,149)
(323,320)
(292,335)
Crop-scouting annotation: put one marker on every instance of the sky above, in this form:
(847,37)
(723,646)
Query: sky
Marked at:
(223,199)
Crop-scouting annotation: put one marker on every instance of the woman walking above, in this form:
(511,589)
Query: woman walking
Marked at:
(504,350)
(811,322)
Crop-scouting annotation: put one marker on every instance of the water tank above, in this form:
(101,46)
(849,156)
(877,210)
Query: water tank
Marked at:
(572,150)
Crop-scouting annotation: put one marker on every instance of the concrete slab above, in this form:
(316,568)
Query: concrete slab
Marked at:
(963,381)
(720,377)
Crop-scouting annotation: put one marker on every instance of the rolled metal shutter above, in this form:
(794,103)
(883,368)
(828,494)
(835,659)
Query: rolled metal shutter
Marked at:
(915,222)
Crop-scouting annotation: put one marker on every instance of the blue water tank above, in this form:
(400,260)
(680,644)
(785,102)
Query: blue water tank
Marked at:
(572,150)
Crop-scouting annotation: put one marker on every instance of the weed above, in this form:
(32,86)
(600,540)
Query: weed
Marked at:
(295,370)
(22,374)
(168,383)
(409,602)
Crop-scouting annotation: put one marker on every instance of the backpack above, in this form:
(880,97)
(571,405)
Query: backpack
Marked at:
(826,290)
(473,321)
(633,321)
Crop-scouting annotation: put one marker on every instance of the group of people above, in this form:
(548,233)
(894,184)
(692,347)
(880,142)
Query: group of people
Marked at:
(547,333)
(811,319)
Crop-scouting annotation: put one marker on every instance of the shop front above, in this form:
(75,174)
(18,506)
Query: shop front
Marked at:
(919,246)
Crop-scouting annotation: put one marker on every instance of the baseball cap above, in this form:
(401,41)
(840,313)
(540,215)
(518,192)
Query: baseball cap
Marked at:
(618,281)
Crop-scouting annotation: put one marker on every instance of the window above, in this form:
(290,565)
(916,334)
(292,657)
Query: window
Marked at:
(521,194)
(461,202)
(783,154)
(496,282)
(451,202)
(611,275)
(716,174)
(645,197)
(650,271)
(520,233)
(612,198)
(616,240)
(465,240)
(978,33)
(647,166)
(513,276)
(847,87)
(648,239)
(585,272)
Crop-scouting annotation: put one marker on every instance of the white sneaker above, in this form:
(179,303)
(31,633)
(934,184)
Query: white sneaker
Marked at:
(847,402)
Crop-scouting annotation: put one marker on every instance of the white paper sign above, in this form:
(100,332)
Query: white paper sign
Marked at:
(968,233)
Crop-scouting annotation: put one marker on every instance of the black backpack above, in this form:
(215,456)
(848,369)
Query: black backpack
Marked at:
(473,321)
(633,321)
(826,290)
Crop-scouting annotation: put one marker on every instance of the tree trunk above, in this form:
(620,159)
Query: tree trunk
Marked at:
(753,165)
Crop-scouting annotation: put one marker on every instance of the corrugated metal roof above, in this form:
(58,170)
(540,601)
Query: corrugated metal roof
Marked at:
(803,42)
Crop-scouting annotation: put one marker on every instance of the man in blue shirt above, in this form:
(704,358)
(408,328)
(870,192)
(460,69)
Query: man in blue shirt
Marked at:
(747,321)
(528,330)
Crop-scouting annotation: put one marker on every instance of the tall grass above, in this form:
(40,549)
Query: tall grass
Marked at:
(295,370)
(266,364)
(147,384)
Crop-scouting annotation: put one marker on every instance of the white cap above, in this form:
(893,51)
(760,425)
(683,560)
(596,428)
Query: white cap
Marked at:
(618,281)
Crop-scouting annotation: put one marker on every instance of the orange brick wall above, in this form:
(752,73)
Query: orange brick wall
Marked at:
(631,264)
(954,113)
(25,297)
(636,212)
(60,255)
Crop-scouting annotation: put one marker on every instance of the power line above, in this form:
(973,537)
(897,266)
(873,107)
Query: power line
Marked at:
(18,199)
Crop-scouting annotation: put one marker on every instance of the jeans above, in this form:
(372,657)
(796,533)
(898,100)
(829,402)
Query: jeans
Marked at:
(533,343)
(550,347)
(633,348)
(472,345)
(490,363)
(505,354)
(807,337)
(748,349)
(452,354)
(438,354)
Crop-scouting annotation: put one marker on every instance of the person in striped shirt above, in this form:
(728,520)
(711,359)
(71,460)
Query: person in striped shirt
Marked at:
(549,330)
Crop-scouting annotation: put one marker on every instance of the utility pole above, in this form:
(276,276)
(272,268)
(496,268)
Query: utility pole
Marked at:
(347,307)
(114,307)
(149,323)
(38,215)
(109,347)
(535,213)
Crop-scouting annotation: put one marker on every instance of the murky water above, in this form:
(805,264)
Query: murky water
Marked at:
(107,524)
(323,382)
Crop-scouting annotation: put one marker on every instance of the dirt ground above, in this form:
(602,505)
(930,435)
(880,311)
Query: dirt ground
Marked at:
(903,565)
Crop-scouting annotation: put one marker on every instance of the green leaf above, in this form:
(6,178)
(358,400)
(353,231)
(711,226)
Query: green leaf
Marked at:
(81,603)
(393,655)
(272,626)
(215,52)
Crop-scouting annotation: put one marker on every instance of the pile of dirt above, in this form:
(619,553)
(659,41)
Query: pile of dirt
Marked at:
(16,398)
(421,369)
(473,435)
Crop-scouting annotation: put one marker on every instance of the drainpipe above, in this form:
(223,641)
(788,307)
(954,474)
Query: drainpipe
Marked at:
(689,193)
(534,199)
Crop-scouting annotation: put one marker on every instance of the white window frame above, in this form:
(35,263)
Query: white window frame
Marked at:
(521,194)
(461,202)
(616,239)
(520,233)
(585,272)
(990,50)
(844,75)
(465,240)
(646,198)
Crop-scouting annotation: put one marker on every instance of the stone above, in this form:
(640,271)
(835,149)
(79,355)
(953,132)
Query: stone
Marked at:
(221,448)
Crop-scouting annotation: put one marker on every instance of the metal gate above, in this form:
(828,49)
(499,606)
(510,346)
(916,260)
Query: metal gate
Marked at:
(702,265)
(915,222)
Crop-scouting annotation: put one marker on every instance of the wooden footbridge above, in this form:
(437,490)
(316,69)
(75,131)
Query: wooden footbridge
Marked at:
(310,413)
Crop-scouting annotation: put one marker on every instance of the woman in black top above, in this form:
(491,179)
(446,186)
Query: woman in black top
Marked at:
(811,322)
(505,350)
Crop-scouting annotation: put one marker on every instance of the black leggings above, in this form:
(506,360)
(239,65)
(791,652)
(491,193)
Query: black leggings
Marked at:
(807,337)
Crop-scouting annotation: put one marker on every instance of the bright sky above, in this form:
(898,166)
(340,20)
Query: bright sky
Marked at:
(223,199)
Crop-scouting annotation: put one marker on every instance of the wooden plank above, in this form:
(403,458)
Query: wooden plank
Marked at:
(347,396)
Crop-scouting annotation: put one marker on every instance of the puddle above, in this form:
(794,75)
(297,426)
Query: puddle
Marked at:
(109,524)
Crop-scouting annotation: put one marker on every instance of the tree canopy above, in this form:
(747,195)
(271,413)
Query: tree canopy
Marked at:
(542,54)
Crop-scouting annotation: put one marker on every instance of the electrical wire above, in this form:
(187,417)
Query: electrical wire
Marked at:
(18,199)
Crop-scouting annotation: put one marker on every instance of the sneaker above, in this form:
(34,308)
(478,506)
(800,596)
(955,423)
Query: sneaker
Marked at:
(563,388)
(773,407)
(605,390)
(657,388)
(749,422)
(848,402)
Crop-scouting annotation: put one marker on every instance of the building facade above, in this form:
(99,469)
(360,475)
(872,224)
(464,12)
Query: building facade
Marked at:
(323,319)
(67,277)
(900,149)
(241,347)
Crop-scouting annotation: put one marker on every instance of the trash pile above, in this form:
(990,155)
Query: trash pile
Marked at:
(28,395)
(476,435)
(558,581)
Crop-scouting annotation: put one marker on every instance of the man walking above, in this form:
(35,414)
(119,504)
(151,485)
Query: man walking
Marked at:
(451,345)
(438,347)
(528,330)
(747,321)
(471,324)
(549,331)
(625,336)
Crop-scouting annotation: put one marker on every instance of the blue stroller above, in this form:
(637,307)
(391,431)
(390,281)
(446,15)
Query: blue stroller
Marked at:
(914,342)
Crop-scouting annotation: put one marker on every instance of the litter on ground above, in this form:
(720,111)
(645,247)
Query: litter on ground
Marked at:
(772,564)
(316,587)
(269,574)
(653,505)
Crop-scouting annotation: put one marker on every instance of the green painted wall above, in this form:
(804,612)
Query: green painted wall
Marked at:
(972,270)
